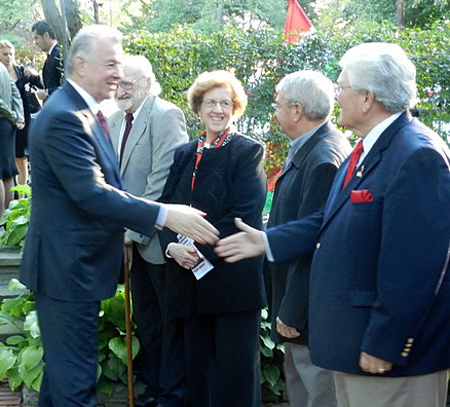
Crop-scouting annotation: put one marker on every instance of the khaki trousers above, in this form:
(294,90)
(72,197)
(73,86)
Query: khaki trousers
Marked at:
(375,391)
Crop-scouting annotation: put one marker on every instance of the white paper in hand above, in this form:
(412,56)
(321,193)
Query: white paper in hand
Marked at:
(203,266)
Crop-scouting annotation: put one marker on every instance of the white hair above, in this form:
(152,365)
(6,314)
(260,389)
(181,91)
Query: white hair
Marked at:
(144,65)
(84,44)
(384,70)
(312,90)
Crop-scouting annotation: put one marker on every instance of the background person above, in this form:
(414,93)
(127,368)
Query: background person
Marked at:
(222,173)
(379,286)
(22,77)
(53,70)
(11,118)
(304,101)
(145,134)
(74,245)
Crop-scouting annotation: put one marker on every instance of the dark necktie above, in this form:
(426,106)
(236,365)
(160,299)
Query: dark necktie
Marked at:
(103,123)
(354,158)
(128,123)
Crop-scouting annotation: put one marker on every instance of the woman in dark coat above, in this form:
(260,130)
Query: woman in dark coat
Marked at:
(23,77)
(11,118)
(220,173)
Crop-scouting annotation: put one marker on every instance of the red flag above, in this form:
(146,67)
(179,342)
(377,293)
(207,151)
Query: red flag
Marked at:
(296,22)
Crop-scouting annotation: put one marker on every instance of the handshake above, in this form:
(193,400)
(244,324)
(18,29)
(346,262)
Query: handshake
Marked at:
(190,222)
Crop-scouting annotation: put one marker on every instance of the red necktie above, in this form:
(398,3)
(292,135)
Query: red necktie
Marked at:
(103,123)
(354,158)
(128,123)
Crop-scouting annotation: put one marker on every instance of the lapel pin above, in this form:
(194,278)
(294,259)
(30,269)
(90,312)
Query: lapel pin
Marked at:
(359,174)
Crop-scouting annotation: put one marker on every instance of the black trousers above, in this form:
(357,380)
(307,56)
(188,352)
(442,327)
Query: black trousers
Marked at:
(223,360)
(69,332)
(161,334)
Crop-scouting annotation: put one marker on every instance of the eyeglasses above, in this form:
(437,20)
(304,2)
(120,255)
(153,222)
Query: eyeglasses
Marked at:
(338,89)
(224,104)
(128,85)
(277,106)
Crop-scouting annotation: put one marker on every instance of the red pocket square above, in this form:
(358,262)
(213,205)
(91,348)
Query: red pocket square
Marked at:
(361,196)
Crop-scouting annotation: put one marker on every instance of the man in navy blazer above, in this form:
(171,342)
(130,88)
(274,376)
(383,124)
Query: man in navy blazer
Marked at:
(379,287)
(73,248)
(304,102)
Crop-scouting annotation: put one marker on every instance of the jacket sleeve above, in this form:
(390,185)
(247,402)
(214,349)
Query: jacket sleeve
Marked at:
(70,153)
(294,306)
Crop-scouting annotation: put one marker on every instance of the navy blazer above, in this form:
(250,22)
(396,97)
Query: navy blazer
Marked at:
(73,247)
(379,280)
(300,190)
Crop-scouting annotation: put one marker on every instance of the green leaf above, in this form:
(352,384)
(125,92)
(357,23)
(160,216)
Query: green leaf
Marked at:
(5,318)
(22,189)
(113,368)
(29,376)
(272,374)
(36,385)
(268,353)
(31,357)
(15,284)
(10,304)
(14,378)
(119,348)
(7,361)
(268,342)
(105,387)
(15,340)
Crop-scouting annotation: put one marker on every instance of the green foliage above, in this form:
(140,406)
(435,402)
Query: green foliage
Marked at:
(16,218)
(272,356)
(21,357)
(260,58)
(207,16)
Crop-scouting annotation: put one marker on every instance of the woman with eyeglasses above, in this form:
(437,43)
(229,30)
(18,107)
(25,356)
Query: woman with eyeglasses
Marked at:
(220,173)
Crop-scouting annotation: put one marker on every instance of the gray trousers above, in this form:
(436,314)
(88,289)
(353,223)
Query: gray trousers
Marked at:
(376,391)
(307,384)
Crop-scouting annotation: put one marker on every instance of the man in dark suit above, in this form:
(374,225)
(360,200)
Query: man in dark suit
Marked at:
(145,134)
(74,245)
(379,285)
(304,102)
(53,70)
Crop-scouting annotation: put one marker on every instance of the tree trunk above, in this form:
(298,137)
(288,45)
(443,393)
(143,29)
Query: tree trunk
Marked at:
(400,13)
(53,17)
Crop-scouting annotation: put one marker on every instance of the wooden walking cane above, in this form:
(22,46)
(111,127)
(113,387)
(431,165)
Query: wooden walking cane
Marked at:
(126,272)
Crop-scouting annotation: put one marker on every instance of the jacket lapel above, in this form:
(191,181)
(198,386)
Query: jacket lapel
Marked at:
(140,125)
(339,195)
(304,150)
(97,133)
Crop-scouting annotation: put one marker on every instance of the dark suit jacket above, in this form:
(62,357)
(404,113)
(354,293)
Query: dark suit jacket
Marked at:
(230,182)
(73,248)
(379,279)
(301,190)
(52,72)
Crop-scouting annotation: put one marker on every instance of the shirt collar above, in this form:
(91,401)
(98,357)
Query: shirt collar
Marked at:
(376,132)
(90,101)
(301,141)
(52,48)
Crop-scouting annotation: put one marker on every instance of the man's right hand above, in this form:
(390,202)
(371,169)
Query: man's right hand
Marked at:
(242,245)
(185,256)
(189,222)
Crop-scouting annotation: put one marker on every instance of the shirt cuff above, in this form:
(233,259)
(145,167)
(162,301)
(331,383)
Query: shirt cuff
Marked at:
(162,216)
(167,252)
(269,254)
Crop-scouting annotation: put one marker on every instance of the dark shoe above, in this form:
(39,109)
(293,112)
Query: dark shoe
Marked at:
(145,401)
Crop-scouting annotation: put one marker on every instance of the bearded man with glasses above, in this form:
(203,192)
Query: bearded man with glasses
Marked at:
(145,134)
